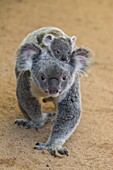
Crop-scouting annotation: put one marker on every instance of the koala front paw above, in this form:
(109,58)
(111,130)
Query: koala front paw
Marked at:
(52,150)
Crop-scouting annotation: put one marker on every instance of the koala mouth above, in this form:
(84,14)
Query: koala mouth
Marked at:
(54,94)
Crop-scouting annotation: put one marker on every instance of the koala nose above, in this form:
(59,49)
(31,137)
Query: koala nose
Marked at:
(64,58)
(53,86)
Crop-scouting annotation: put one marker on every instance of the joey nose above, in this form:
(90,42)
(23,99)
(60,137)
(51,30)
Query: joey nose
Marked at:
(64,58)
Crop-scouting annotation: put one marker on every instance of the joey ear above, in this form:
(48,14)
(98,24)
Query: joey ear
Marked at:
(82,58)
(73,41)
(48,38)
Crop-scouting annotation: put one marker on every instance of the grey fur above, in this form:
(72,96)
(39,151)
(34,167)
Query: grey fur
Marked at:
(41,75)
(53,39)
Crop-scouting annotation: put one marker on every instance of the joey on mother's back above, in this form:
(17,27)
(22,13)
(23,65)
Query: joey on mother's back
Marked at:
(54,40)
(40,75)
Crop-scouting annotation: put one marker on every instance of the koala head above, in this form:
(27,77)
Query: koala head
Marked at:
(60,47)
(52,76)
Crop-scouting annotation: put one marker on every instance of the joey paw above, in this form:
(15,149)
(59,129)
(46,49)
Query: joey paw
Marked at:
(52,150)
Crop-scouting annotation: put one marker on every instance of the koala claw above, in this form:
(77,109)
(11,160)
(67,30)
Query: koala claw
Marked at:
(40,146)
(52,150)
(21,122)
(63,151)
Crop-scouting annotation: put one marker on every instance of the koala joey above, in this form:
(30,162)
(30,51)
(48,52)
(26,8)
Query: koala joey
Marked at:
(53,39)
(39,74)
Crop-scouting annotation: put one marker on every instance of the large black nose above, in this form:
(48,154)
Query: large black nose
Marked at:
(64,58)
(53,86)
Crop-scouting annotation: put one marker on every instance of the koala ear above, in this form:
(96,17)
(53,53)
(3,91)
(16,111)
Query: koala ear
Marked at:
(30,48)
(48,39)
(82,60)
(27,53)
(73,41)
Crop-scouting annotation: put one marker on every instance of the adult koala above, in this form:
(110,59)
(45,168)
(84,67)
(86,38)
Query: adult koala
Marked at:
(40,75)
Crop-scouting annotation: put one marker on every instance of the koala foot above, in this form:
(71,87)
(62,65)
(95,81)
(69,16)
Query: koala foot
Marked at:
(29,124)
(46,117)
(52,150)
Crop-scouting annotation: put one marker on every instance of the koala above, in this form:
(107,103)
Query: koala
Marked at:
(39,74)
(53,39)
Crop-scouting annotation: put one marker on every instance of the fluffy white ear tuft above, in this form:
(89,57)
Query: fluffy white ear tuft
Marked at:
(48,38)
(27,53)
(73,41)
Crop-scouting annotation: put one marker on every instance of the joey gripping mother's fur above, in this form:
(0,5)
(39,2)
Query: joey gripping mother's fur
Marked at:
(40,74)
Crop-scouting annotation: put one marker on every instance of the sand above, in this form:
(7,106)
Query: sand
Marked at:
(91,145)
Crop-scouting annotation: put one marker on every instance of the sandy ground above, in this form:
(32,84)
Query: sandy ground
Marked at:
(91,145)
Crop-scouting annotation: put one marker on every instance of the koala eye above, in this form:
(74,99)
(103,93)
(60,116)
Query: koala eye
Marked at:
(58,51)
(43,77)
(64,77)
(69,52)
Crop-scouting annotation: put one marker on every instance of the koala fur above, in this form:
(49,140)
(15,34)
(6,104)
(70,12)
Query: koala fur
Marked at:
(39,74)
(49,65)
(53,39)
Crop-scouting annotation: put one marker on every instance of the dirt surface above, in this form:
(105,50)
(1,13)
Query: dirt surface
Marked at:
(91,145)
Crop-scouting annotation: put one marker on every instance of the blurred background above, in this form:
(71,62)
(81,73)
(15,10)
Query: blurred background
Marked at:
(91,145)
